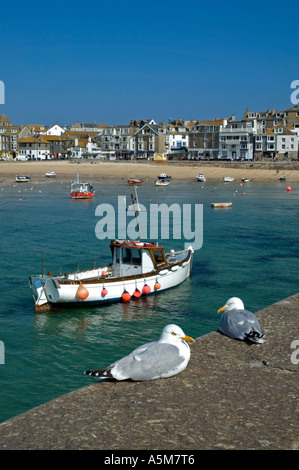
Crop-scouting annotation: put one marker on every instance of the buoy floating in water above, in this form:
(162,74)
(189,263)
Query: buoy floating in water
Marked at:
(146,289)
(126,296)
(82,293)
(289,188)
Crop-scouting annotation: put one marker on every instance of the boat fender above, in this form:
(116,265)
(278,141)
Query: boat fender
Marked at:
(82,293)
(157,285)
(126,296)
(104,291)
(164,271)
(136,293)
(104,272)
(146,289)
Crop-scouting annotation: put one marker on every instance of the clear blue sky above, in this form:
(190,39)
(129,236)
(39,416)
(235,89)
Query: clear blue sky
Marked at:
(110,62)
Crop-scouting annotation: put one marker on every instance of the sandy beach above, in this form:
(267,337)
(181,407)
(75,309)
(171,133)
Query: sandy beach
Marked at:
(147,171)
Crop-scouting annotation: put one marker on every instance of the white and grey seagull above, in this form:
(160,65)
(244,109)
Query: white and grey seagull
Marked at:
(238,323)
(163,358)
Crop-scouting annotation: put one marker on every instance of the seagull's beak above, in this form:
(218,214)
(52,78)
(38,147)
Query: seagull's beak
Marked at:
(188,338)
(222,309)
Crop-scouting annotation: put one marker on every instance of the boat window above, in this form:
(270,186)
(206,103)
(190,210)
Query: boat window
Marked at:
(126,255)
(117,254)
(131,256)
(136,257)
(158,256)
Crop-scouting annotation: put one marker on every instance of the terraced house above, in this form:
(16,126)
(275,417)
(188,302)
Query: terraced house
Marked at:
(148,140)
(204,140)
(279,142)
(117,141)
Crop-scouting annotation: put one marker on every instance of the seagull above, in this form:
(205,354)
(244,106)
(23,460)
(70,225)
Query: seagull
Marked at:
(238,323)
(163,358)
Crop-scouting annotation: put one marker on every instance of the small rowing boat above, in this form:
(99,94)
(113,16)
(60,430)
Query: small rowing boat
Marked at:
(22,179)
(220,204)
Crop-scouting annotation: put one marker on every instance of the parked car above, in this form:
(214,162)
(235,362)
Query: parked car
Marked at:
(22,158)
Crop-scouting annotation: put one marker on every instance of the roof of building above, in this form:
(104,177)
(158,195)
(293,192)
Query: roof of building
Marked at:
(286,130)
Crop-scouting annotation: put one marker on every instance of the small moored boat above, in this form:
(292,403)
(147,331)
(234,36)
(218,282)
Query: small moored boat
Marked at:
(220,204)
(50,174)
(245,180)
(134,181)
(161,182)
(137,268)
(228,179)
(22,179)
(81,190)
(200,177)
(164,177)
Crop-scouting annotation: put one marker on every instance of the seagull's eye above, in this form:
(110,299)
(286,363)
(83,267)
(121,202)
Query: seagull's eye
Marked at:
(173,333)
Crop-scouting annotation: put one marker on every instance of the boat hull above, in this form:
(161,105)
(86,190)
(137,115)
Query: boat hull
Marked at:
(201,178)
(50,292)
(82,195)
(221,205)
(228,179)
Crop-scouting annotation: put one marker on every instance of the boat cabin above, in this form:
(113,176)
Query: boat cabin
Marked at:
(131,258)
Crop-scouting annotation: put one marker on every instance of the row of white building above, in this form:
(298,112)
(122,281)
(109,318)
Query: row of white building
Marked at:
(258,135)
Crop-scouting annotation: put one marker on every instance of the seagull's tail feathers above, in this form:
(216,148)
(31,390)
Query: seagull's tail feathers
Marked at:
(255,337)
(100,373)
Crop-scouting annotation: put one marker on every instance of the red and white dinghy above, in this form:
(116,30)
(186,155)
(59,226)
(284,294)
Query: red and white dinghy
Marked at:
(137,268)
(134,181)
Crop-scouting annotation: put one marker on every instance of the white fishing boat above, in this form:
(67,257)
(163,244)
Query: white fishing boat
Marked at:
(50,174)
(137,268)
(200,177)
(22,179)
(228,179)
(81,190)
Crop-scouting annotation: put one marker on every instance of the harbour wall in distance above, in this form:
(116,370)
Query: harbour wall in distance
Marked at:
(231,396)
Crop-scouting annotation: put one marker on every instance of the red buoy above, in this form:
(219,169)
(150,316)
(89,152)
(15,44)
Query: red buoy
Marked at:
(82,293)
(136,293)
(146,289)
(289,188)
(157,285)
(126,296)
(104,291)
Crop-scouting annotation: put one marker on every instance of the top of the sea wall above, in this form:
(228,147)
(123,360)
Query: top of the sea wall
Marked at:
(231,396)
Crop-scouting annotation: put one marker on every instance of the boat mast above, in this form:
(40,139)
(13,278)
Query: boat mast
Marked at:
(136,209)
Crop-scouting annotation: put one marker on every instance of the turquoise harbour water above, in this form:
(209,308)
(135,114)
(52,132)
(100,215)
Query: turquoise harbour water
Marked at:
(249,251)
